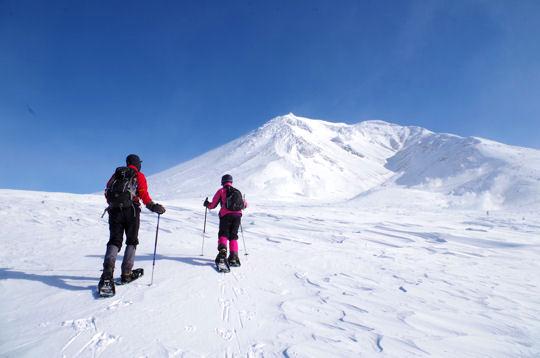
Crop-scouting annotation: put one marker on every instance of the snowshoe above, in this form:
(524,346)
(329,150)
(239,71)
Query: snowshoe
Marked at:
(222,255)
(135,274)
(233,260)
(106,287)
(222,265)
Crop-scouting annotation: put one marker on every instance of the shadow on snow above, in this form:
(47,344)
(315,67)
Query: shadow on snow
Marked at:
(59,281)
(195,261)
(64,281)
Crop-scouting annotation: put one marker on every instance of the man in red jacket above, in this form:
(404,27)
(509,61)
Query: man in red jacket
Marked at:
(126,188)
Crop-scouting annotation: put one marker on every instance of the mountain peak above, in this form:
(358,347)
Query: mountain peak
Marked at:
(292,120)
(289,119)
(292,157)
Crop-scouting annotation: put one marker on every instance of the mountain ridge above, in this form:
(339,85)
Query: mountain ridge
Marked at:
(296,158)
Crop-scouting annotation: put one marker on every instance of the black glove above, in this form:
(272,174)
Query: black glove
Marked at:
(206,203)
(155,207)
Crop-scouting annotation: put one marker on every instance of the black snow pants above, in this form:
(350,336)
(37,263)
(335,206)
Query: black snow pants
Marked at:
(124,220)
(120,221)
(228,228)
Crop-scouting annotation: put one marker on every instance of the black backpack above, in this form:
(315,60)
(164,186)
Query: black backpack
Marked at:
(122,188)
(234,200)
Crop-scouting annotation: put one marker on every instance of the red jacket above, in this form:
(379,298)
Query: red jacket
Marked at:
(142,187)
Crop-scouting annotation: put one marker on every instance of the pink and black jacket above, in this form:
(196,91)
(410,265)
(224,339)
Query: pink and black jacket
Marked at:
(220,198)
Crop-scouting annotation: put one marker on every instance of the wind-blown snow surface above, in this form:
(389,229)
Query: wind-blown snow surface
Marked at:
(299,159)
(319,281)
(364,240)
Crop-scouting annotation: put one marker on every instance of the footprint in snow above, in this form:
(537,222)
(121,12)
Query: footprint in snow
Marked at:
(118,303)
(225,310)
(97,344)
(82,324)
(226,334)
(238,291)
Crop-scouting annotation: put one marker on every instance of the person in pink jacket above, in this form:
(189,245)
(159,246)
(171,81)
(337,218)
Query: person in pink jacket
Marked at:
(230,216)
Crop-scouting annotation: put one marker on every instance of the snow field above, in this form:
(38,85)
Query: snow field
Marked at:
(319,281)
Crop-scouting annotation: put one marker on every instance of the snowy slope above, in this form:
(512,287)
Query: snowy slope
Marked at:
(292,158)
(288,158)
(374,245)
(319,281)
(471,170)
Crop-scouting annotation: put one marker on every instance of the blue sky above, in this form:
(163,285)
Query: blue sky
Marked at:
(84,83)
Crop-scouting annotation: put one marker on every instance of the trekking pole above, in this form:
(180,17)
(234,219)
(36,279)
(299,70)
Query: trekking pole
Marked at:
(204,230)
(242,231)
(155,248)
(104,211)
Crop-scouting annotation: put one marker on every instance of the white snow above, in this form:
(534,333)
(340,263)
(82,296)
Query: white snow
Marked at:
(297,159)
(372,248)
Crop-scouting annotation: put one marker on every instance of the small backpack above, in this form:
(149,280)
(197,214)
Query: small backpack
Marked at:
(234,200)
(122,188)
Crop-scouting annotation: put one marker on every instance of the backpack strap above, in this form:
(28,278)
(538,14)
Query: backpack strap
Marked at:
(223,197)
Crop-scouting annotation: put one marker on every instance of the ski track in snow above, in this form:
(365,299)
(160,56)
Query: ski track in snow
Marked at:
(317,282)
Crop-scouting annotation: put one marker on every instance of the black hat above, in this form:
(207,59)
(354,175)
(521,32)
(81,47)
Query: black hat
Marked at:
(133,159)
(227,178)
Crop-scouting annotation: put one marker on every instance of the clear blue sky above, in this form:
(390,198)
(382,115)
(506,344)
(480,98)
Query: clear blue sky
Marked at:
(84,83)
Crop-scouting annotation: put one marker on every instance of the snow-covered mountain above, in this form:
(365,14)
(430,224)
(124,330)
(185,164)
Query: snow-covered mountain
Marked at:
(293,158)
(368,276)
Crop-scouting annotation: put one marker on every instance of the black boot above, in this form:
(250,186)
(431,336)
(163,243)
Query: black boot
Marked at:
(222,264)
(132,276)
(221,256)
(234,261)
(106,286)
